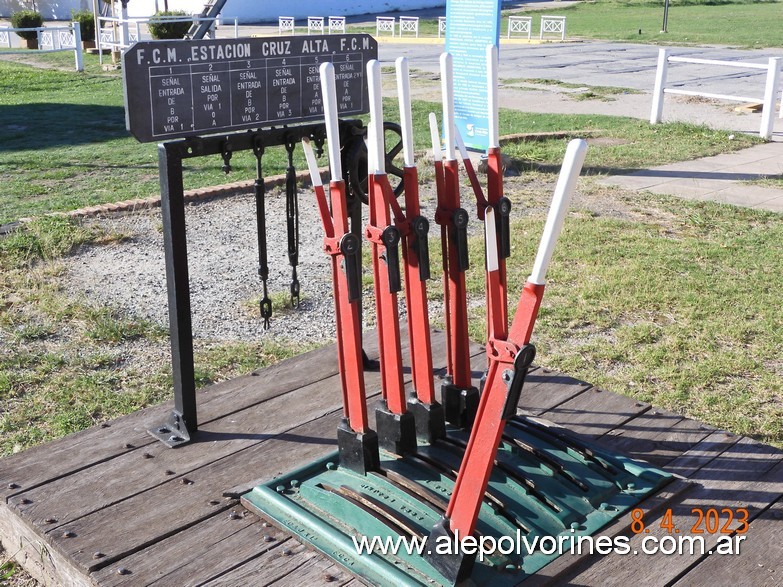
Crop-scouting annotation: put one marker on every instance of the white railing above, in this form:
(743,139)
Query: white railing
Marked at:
(117,34)
(315,24)
(553,25)
(522,25)
(50,39)
(336,24)
(772,68)
(441,26)
(285,24)
(409,24)
(114,34)
(384,24)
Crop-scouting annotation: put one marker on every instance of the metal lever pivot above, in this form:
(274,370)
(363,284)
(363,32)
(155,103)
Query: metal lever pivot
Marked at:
(420,227)
(349,247)
(503,217)
(391,241)
(460,221)
(515,379)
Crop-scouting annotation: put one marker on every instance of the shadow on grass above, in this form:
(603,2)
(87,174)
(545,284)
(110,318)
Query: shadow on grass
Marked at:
(42,125)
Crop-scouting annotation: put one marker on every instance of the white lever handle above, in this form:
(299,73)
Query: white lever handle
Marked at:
(492,96)
(437,152)
(447,89)
(569,173)
(404,93)
(330,114)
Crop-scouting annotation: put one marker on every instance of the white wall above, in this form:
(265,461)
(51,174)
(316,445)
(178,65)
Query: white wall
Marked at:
(253,10)
(257,11)
(49,9)
(244,10)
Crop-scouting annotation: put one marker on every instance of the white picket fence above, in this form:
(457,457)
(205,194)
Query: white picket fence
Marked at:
(772,68)
(117,34)
(50,39)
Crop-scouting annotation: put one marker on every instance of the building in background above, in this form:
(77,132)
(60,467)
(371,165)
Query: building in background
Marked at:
(247,11)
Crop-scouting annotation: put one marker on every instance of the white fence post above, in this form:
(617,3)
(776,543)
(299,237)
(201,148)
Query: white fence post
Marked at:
(236,27)
(770,93)
(660,82)
(77,40)
(124,32)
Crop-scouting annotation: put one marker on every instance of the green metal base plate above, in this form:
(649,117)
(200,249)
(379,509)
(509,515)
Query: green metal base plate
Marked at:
(545,483)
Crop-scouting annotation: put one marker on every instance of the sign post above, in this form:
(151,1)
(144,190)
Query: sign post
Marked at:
(471,25)
(177,89)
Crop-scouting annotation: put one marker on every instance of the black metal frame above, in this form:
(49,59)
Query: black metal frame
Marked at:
(182,424)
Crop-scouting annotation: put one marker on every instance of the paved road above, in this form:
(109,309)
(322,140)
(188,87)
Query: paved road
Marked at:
(623,65)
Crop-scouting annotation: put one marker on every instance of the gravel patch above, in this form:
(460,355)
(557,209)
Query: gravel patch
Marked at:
(130,275)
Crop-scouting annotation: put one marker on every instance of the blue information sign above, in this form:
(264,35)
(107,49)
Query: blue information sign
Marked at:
(471,25)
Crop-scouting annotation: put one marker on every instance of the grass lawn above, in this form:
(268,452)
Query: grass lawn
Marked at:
(63,143)
(671,302)
(736,23)
(707,22)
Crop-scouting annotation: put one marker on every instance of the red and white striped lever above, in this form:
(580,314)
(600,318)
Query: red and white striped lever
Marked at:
(395,425)
(358,445)
(414,228)
(498,319)
(458,396)
(509,361)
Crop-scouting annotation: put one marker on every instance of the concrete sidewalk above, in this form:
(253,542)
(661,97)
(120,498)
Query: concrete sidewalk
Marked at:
(721,178)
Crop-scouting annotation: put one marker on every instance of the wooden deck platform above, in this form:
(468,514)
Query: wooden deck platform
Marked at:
(112,506)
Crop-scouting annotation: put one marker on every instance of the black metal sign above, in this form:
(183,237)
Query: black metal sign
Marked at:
(186,88)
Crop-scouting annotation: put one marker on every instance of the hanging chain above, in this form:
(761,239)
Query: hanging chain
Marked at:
(292,220)
(263,266)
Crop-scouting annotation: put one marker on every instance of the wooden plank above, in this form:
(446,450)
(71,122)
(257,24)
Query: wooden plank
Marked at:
(656,436)
(748,475)
(689,463)
(81,450)
(208,549)
(146,525)
(545,389)
(298,566)
(112,481)
(172,507)
(139,470)
(760,559)
(46,565)
(595,412)
(314,572)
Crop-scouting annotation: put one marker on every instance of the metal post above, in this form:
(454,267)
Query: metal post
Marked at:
(77,39)
(665,16)
(183,425)
(98,39)
(236,27)
(770,93)
(124,27)
(660,81)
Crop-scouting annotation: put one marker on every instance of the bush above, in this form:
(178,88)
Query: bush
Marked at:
(161,29)
(86,21)
(26,19)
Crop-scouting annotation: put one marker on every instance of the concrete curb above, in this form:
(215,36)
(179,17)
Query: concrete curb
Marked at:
(195,195)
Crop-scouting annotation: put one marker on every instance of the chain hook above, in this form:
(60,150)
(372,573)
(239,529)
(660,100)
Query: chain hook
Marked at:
(226,154)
